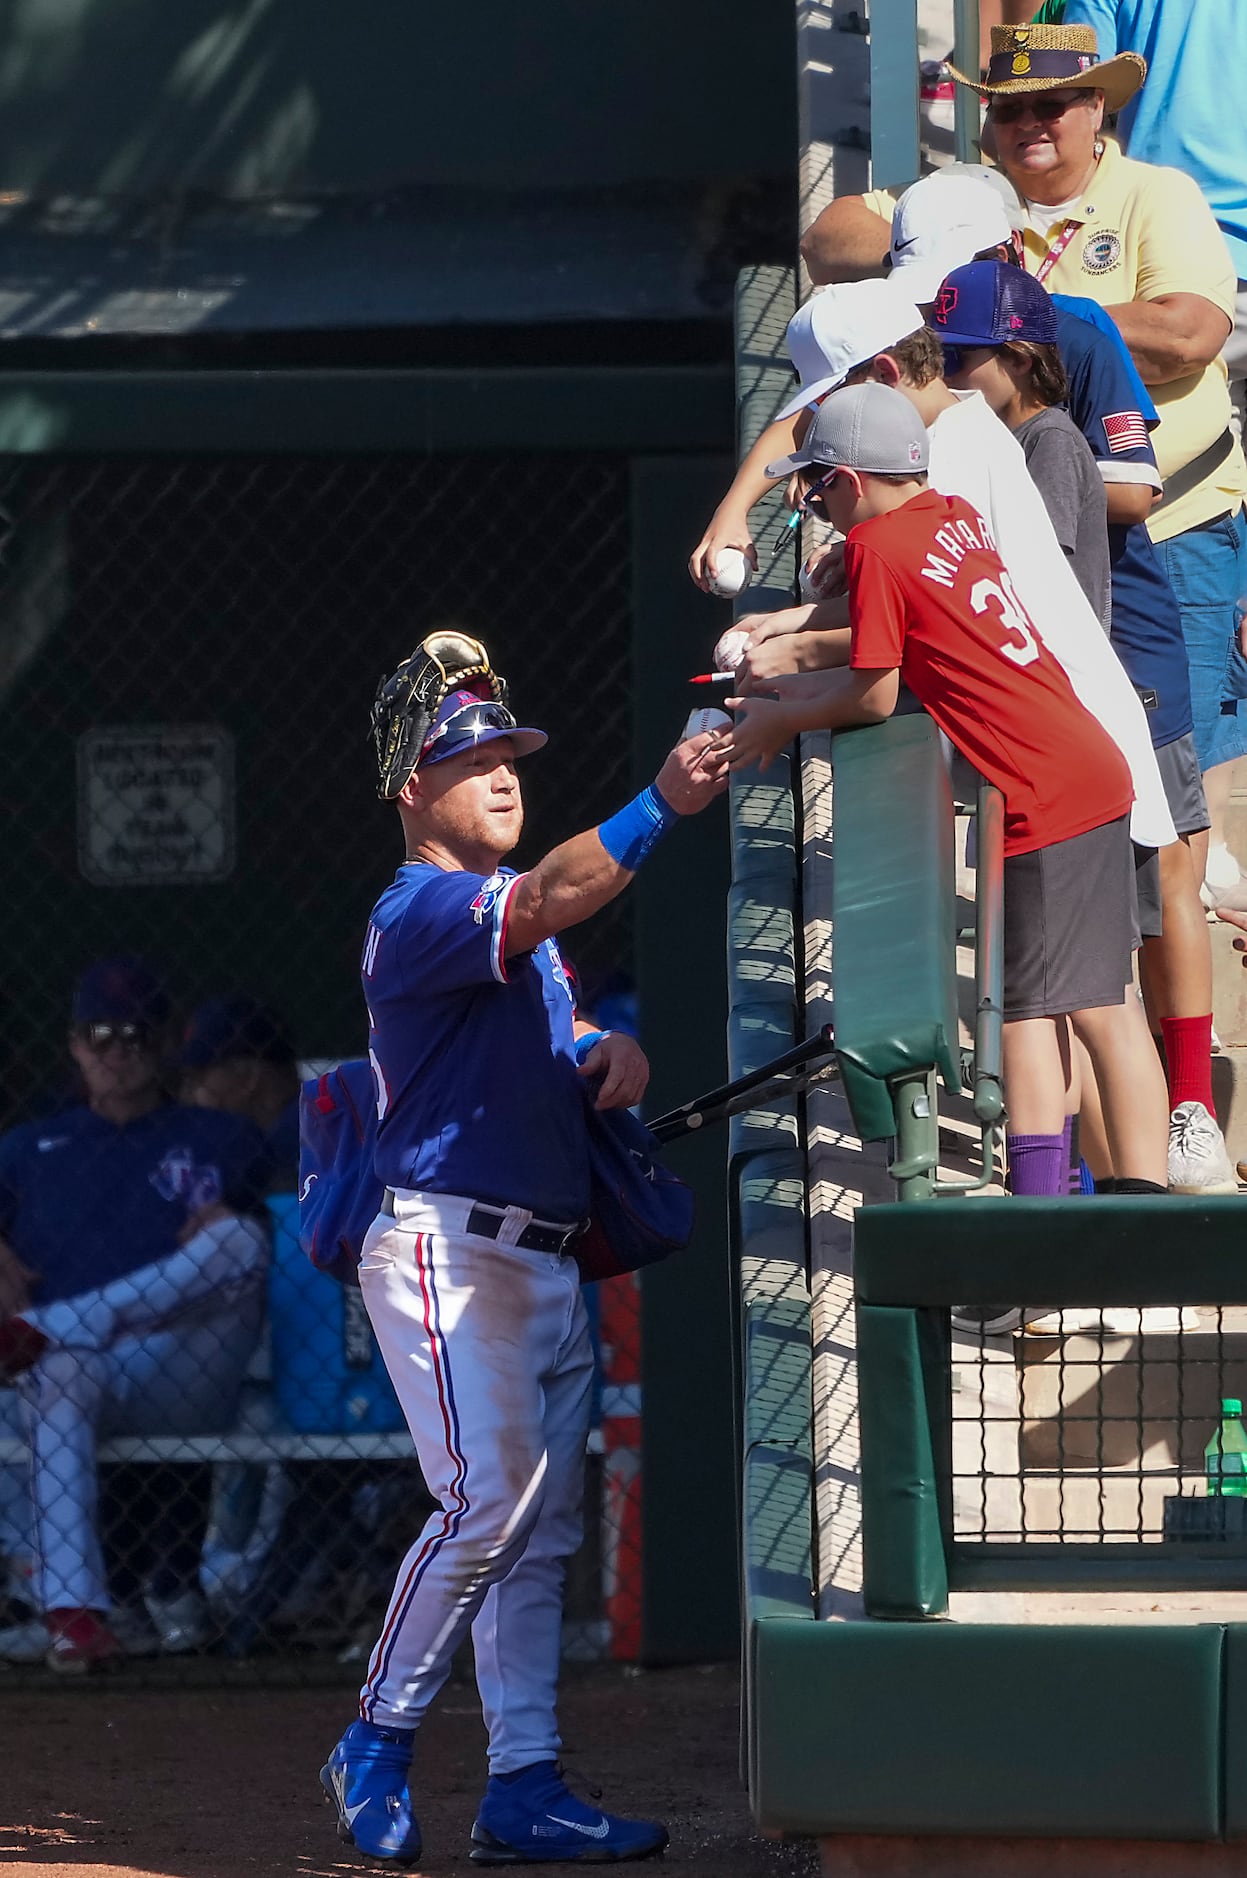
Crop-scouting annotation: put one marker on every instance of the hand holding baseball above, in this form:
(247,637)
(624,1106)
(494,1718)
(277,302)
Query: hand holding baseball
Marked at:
(727,535)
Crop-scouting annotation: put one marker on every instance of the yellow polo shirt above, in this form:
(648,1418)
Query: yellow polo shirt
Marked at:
(1142,231)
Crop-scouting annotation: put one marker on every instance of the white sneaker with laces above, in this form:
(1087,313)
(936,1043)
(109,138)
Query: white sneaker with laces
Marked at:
(1198,1162)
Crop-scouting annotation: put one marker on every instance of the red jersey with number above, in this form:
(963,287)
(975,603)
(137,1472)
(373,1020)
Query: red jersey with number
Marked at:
(929,594)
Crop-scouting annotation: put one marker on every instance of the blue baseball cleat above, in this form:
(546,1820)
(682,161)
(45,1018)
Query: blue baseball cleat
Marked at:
(530,1818)
(366,1778)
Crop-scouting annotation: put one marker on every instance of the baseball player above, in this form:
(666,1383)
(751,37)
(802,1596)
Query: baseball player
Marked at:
(129,1216)
(481,1070)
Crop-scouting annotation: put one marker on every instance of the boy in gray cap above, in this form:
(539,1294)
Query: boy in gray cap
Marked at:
(931,602)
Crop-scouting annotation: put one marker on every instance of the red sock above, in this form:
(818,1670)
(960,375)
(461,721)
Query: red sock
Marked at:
(1188,1056)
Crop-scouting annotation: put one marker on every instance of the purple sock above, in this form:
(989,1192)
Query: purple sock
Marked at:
(1037,1164)
(1070,1162)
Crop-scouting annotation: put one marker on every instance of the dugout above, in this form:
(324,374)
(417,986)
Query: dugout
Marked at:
(316,336)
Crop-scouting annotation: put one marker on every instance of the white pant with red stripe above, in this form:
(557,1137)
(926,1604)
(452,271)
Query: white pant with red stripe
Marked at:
(487,1346)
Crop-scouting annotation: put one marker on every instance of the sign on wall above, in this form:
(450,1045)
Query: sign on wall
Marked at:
(156,805)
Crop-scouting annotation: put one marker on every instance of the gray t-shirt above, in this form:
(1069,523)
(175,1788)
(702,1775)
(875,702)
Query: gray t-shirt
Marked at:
(1064,471)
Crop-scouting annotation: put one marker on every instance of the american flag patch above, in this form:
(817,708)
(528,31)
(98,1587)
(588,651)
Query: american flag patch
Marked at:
(1125,430)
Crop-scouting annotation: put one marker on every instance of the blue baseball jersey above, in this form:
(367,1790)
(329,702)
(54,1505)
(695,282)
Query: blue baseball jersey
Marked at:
(473,1053)
(1112,409)
(84,1200)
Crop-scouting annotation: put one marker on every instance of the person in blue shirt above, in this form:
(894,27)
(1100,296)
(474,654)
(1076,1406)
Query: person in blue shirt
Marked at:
(134,1262)
(483,1073)
(237,1055)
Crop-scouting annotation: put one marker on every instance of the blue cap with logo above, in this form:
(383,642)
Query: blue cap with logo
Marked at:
(989,303)
(121,991)
(224,1028)
(465,720)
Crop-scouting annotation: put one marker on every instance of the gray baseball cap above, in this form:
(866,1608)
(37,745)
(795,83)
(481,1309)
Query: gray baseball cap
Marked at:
(864,427)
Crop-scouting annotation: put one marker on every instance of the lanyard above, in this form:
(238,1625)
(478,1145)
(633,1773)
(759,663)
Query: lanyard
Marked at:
(1057,250)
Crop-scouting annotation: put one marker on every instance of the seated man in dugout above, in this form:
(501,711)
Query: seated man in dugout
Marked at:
(132,1267)
(237,1055)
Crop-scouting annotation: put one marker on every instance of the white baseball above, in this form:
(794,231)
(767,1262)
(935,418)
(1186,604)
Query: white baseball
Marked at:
(807,582)
(733,573)
(730,649)
(703,719)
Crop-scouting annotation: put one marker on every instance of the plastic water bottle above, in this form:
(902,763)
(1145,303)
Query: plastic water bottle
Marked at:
(1225,1457)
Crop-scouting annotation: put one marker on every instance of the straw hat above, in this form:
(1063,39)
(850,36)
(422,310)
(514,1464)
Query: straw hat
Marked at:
(1053,58)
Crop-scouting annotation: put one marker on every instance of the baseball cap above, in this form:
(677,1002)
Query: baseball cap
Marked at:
(222,1028)
(465,720)
(989,303)
(840,327)
(120,991)
(864,427)
(943,221)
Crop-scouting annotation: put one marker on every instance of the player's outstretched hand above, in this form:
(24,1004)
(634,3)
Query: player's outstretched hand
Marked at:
(624,1068)
(694,774)
(725,531)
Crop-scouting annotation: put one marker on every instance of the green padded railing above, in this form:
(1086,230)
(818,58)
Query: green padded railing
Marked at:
(894,913)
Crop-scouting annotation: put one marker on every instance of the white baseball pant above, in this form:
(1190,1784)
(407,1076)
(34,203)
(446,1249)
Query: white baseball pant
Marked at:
(487,1345)
(160,1351)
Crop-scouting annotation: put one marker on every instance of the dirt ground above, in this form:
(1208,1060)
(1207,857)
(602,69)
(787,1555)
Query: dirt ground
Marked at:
(102,1780)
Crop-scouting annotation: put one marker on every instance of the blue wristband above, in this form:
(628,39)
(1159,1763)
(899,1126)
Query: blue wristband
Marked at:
(629,836)
(589,1041)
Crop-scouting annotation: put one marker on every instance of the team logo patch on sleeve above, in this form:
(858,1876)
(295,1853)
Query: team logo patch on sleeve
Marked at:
(1125,430)
(487,899)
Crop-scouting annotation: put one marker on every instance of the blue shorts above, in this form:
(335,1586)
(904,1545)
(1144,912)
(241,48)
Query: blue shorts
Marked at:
(1207,569)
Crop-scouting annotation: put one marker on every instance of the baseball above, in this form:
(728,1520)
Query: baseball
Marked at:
(730,649)
(732,574)
(703,719)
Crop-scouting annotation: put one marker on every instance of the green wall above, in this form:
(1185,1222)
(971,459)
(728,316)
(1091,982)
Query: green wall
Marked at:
(146,96)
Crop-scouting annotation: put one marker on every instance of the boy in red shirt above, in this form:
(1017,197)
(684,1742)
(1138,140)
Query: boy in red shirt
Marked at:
(930,601)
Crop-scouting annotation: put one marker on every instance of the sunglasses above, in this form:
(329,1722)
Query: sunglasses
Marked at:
(1044,106)
(101,1037)
(812,500)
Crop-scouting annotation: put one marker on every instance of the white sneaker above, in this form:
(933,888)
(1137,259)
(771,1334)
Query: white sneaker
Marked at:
(1198,1162)
(25,1643)
(182,1624)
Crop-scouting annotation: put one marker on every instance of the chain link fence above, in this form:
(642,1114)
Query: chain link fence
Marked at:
(188,649)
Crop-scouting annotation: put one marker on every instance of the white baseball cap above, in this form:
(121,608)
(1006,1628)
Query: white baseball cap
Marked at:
(944,220)
(840,327)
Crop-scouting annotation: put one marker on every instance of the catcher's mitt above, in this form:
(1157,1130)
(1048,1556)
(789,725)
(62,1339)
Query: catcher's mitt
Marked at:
(407,702)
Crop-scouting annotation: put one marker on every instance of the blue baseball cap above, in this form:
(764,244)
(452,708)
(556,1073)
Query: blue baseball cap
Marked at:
(465,720)
(121,991)
(223,1028)
(989,303)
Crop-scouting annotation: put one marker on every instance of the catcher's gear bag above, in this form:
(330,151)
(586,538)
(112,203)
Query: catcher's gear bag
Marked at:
(406,703)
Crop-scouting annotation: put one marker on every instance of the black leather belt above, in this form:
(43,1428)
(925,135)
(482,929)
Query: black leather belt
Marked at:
(486,1222)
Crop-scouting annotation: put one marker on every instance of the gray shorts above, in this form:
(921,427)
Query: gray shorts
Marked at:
(1184,792)
(1184,786)
(1068,924)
